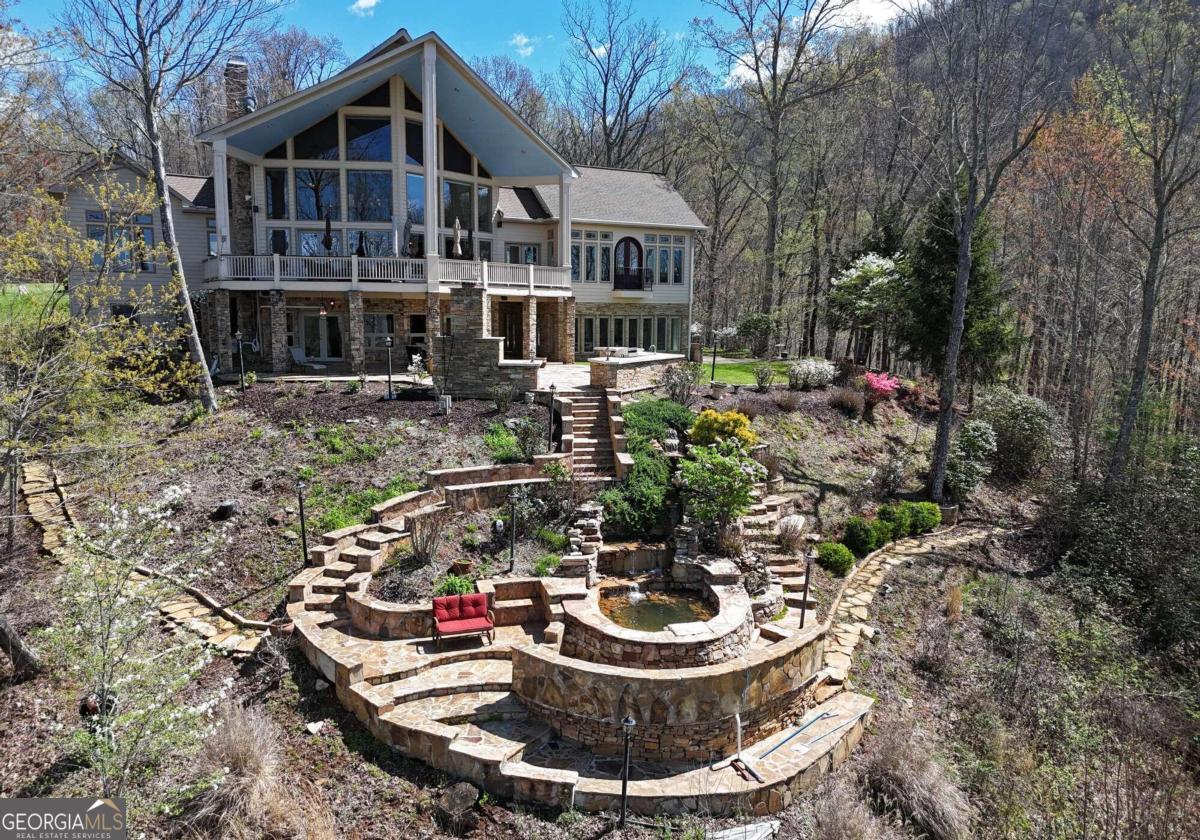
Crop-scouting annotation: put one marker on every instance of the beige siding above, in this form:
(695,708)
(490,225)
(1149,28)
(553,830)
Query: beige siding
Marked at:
(189,228)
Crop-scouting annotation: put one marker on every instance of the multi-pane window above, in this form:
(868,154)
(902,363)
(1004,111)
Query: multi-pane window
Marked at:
(210,227)
(456,202)
(575,262)
(368,138)
(369,196)
(377,328)
(277,203)
(318,195)
(414,185)
(483,205)
(589,263)
(371,243)
(132,237)
(318,142)
(312,243)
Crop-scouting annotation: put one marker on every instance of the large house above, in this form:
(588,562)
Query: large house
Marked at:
(350,212)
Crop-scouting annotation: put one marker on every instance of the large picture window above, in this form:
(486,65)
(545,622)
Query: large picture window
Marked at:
(277,203)
(414,185)
(318,195)
(312,243)
(483,202)
(368,138)
(377,328)
(413,144)
(456,201)
(375,243)
(320,142)
(369,196)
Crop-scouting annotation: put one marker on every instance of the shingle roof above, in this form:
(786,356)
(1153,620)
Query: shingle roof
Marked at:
(619,196)
(197,190)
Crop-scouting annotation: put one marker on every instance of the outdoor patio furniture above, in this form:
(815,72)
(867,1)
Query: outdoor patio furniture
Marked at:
(462,615)
(300,359)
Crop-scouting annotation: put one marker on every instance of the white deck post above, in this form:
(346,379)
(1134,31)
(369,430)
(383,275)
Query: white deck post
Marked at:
(221,195)
(429,132)
(564,219)
(276,272)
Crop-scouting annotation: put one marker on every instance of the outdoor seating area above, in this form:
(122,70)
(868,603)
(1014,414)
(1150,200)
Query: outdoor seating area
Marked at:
(463,615)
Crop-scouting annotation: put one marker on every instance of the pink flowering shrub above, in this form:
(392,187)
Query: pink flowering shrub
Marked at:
(880,386)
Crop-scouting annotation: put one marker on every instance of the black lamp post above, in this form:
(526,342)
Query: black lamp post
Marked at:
(812,553)
(627,725)
(512,529)
(237,336)
(387,342)
(550,421)
(303,529)
(713,376)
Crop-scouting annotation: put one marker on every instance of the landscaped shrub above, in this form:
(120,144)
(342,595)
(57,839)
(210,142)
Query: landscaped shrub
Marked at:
(545,565)
(681,381)
(924,516)
(502,395)
(894,474)
(970,458)
(1024,428)
(900,516)
(764,375)
(749,408)
(787,400)
(835,558)
(805,374)
(791,533)
(452,584)
(859,536)
(530,437)
(712,426)
(553,539)
(884,532)
(652,418)
(501,444)
(850,402)
(636,505)
(719,482)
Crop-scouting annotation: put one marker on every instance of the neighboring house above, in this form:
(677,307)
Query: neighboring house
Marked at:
(350,212)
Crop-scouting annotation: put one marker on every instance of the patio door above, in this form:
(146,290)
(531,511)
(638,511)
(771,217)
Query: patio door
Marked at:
(320,337)
(512,329)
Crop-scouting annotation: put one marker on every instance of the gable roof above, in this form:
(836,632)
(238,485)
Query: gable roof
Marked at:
(610,196)
(476,114)
(195,192)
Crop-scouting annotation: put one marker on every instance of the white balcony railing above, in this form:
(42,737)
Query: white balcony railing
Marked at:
(354,269)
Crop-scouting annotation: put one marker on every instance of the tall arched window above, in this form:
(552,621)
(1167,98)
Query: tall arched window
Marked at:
(628,260)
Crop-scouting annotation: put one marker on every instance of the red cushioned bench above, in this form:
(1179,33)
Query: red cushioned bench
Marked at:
(462,615)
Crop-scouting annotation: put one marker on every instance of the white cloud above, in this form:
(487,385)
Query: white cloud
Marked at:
(873,12)
(362,8)
(522,43)
(600,51)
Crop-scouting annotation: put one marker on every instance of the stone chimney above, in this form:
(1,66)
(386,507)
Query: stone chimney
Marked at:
(241,211)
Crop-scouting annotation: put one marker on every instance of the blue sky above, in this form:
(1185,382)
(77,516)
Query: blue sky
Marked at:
(530,31)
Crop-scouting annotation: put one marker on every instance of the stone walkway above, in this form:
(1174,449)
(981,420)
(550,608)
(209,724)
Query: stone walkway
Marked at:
(190,611)
(852,610)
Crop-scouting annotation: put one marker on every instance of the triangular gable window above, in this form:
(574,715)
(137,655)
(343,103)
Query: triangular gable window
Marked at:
(411,102)
(381,97)
(458,159)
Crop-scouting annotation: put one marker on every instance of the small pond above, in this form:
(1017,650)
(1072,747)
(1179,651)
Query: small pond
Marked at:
(653,611)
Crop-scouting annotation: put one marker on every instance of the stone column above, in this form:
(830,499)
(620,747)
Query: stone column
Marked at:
(354,314)
(222,330)
(277,346)
(529,330)
(566,330)
(433,329)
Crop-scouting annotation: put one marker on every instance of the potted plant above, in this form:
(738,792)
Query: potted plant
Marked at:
(461,567)
(281,626)
(718,389)
(949,514)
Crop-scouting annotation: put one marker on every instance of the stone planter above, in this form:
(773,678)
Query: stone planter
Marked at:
(462,567)
(281,627)
(949,514)
(718,389)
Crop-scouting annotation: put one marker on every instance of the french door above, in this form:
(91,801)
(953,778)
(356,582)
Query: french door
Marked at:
(320,337)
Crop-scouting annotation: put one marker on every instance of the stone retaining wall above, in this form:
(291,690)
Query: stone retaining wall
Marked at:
(389,620)
(682,715)
(641,371)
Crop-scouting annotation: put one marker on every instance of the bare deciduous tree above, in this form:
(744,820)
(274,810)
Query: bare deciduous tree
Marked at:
(152,50)
(514,83)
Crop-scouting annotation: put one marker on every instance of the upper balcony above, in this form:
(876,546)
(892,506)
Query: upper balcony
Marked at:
(633,282)
(381,274)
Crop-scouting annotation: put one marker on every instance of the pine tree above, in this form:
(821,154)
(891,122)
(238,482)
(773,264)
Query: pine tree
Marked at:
(989,333)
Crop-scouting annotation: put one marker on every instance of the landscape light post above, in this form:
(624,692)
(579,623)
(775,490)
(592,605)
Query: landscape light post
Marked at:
(387,342)
(550,421)
(303,530)
(812,552)
(512,529)
(627,725)
(713,376)
(237,336)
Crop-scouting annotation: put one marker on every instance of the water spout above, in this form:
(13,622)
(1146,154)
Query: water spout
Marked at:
(636,596)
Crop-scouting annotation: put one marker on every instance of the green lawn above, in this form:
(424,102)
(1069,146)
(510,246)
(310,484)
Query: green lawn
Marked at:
(742,373)
(18,305)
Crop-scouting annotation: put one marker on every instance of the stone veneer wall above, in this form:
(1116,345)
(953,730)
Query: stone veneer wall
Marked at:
(593,637)
(642,371)
(682,714)
(477,360)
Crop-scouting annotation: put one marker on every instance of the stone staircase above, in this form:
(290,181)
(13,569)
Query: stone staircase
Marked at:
(593,451)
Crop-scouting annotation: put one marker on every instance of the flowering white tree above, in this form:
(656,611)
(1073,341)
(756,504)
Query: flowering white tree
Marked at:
(109,640)
(864,298)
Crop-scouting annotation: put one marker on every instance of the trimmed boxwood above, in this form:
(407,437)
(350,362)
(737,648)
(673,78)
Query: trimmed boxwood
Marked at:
(835,558)
(859,536)
(925,517)
(884,532)
(635,506)
(653,417)
(900,517)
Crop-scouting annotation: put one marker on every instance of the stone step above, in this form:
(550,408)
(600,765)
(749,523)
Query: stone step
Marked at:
(774,633)
(364,559)
(443,681)
(377,539)
(329,585)
(327,601)
(797,601)
(340,569)
(786,567)
(512,610)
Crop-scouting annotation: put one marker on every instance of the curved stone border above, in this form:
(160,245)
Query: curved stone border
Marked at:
(592,636)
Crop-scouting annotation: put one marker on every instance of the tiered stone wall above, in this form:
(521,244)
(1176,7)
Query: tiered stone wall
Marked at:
(682,714)
(477,360)
(586,542)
